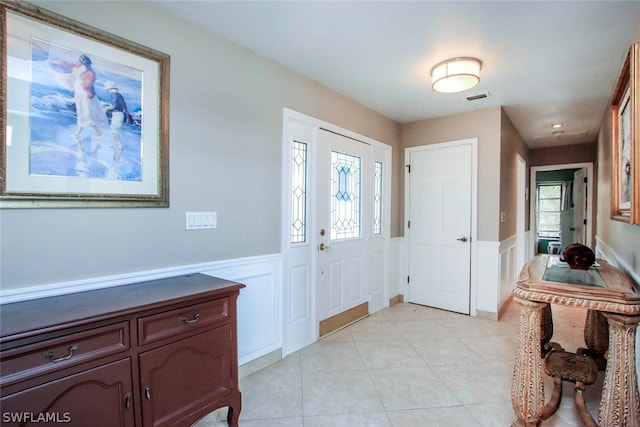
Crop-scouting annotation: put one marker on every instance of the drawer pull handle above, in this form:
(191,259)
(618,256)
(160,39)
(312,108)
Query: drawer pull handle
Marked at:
(49,355)
(196,317)
(147,392)
(127,400)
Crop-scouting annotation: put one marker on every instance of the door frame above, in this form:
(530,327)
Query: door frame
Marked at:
(533,218)
(473,142)
(299,317)
(521,207)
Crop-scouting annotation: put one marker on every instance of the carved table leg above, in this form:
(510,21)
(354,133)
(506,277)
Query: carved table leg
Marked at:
(596,336)
(527,387)
(620,403)
(547,328)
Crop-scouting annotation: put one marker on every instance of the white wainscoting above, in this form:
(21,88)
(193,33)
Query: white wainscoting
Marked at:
(487,274)
(398,267)
(496,275)
(259,304)
(508,270)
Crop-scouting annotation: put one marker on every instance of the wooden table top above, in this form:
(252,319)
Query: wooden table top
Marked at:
(614,291)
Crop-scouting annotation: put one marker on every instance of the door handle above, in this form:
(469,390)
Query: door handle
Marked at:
(463,239)
(323,247)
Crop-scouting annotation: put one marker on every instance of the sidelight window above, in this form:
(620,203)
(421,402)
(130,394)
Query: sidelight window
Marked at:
(299,192)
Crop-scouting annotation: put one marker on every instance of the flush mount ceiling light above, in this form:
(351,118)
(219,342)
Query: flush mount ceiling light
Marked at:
(456,75)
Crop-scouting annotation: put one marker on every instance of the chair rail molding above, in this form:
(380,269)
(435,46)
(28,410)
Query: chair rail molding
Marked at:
(259,304)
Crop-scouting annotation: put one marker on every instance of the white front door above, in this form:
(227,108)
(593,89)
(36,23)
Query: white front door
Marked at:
(343,212)
(439,229)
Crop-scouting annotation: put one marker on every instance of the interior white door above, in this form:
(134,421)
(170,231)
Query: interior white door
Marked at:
(440,227)
(580,206)
(343,212)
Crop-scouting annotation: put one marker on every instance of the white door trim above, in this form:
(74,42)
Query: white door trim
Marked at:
(300,323)
(532,200)
(521,205)
(474,207)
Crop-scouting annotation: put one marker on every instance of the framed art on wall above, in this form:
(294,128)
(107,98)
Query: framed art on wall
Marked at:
(84,119)
(625,179)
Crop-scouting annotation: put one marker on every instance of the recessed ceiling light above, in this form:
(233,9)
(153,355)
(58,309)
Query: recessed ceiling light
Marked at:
(556,125)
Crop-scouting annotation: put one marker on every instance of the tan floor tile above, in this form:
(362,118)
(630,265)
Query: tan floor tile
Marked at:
(445,351)
(411,388)
(340,392)
(389,354)
(367,330)
(437,417)
(375,419)
(413,330)
(478,383)
(339,356)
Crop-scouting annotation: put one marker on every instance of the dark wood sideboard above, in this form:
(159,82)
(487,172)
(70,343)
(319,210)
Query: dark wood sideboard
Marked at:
(156,353)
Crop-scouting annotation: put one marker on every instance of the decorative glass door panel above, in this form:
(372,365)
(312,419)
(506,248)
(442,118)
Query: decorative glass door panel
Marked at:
(345,196)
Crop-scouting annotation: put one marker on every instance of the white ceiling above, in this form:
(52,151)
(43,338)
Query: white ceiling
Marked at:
(543,61)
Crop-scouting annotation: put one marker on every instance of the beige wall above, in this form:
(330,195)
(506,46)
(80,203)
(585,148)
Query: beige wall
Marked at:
(484,125)
(578,153)
(511,146)
(226,110)
(622,238)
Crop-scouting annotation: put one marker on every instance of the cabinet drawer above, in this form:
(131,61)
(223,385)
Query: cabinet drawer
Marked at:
(47,356)
(170,323)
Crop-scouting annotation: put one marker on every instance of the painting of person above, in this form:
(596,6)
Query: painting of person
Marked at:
(119,114)
(89,113)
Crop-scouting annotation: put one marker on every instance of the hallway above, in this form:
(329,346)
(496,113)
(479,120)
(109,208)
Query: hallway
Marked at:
(405,366)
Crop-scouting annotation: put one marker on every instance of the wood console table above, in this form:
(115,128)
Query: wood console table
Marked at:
(605,289)
(157,353)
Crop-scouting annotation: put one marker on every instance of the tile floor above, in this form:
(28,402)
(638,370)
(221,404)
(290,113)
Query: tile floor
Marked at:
(405,366)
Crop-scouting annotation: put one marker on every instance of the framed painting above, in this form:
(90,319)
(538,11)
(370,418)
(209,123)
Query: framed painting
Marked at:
(625,179)
(85,115)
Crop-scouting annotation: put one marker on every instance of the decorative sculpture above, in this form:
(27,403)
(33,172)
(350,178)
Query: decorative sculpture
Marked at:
(579,257)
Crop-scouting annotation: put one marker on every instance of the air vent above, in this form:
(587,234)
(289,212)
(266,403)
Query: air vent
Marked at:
(478,96)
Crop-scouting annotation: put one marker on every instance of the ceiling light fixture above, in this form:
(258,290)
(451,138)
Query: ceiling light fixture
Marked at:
(456,75)
(556,125)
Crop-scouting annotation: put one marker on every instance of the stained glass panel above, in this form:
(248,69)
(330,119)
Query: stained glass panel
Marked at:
(377,198)
(345,196)
(299,192)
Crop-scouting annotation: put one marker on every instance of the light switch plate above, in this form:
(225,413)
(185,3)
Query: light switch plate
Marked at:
(201,220)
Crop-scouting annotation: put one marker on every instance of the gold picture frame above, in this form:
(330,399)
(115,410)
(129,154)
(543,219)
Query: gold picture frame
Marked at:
(625,136)
(72,130)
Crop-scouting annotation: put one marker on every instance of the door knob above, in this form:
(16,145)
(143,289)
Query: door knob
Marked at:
(462,239)
(323,247)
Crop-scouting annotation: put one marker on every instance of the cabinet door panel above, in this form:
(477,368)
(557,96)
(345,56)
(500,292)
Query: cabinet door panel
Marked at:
(185,376)
(95,397)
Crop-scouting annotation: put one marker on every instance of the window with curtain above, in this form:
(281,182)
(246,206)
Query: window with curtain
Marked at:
(549,198)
